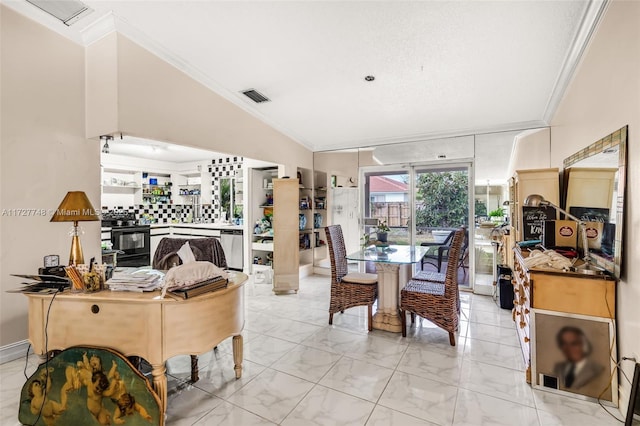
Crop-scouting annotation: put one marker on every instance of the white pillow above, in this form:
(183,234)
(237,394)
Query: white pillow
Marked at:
(186,254)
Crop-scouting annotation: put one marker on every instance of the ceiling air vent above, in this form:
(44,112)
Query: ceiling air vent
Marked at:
(68,11)
(255,96)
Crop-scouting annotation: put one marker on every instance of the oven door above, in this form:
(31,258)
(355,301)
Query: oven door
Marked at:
(132,241)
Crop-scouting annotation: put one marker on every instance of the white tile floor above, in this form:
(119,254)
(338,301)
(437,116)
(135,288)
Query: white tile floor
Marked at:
(298,370)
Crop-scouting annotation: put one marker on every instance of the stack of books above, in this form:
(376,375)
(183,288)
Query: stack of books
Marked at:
(199,288)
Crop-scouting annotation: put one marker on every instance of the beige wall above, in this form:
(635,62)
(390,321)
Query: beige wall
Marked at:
(531,150)
(101,63)
(157,101)
(604,96)
(339,163)
(43,154)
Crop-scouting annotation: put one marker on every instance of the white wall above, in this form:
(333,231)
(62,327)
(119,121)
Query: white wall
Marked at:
(603,97)
(43,154)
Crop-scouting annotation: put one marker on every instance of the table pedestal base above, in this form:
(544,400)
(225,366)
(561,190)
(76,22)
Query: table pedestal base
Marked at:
(390,276)
(387,321)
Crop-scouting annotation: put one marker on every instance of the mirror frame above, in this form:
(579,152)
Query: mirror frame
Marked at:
(619,139)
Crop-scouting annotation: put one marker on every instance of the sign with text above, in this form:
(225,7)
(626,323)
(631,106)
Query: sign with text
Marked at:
(533,220)
(591,214)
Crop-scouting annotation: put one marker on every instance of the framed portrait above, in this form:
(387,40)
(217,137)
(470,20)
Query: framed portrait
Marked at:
(574,355)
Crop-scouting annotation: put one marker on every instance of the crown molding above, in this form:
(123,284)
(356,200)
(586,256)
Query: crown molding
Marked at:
(368,143)
(590,20)
(104,25)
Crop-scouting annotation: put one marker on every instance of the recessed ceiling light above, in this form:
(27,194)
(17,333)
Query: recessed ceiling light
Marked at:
(369,78)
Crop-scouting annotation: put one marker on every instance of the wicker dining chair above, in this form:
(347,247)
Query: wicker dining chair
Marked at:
(434,300)
(348,289)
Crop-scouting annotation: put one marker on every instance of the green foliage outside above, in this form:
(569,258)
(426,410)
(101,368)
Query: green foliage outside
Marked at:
(442,199)
(225,196)
(480,208)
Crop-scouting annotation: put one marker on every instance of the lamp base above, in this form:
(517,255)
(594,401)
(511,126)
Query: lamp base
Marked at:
(75,255)
(589,269)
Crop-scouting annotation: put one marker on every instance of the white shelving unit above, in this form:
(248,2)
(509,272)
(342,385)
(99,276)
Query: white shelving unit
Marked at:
(262,246)
(306,235)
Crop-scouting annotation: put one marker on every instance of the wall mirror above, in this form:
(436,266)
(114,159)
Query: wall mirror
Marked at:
(594,190)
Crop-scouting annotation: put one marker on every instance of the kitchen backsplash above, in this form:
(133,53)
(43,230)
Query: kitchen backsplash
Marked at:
(222,168)
(164,213)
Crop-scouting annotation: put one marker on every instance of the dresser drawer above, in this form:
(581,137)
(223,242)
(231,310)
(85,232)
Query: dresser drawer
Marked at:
(585,296)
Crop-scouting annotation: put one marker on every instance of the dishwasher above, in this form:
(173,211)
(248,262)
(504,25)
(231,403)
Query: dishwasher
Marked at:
(231,241)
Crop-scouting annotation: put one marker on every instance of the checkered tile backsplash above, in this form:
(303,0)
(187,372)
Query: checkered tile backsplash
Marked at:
(221,168)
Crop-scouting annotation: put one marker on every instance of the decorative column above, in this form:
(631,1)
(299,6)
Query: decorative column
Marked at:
(386,317)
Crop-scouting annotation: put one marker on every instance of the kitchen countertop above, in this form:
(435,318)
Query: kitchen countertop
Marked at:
(220,226)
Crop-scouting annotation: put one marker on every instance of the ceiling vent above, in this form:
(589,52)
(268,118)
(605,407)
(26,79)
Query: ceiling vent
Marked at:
(255,96)
(67,11)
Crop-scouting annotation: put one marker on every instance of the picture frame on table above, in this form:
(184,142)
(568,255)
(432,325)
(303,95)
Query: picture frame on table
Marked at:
(574,355)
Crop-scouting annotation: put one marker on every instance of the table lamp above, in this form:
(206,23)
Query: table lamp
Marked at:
(536,200)
(75,207)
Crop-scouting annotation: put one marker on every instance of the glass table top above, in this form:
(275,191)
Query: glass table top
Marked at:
(390,254)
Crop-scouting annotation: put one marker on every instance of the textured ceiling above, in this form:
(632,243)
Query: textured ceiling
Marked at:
(441,68)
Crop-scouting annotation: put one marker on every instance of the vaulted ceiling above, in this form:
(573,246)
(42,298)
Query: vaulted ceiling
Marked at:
(441,68)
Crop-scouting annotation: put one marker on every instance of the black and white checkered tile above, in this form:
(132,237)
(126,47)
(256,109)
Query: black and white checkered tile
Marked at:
(221,168)
(164,213)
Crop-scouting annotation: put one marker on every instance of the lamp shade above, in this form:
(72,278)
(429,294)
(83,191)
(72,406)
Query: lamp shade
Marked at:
(75,207)
(535,200)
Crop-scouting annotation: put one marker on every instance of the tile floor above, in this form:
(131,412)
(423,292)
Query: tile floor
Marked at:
(298,370)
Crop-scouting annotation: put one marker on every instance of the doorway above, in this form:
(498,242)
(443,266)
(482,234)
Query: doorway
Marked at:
(422,205)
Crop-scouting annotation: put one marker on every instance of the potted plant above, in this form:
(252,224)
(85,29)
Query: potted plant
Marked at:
(496,215)
(382,232)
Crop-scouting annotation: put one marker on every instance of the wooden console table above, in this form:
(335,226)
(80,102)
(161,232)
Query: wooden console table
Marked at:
(137,324)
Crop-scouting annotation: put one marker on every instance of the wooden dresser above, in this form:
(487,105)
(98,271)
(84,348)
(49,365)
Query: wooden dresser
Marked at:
(593,295)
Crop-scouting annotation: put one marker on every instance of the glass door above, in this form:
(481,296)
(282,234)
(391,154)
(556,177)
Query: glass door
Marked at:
(388,202)
(422,205)
(442,205)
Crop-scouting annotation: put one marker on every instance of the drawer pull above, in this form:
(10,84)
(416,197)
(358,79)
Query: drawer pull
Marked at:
(95,309)
(526,339)
(526,311)
(522,324)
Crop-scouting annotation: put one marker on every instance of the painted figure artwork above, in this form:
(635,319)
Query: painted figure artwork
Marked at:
(88,386)
(573,354)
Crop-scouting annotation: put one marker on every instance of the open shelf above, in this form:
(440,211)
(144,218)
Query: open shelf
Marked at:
(120,187)
(262,246)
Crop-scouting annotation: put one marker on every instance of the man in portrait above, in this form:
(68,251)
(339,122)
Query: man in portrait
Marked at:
(577,369)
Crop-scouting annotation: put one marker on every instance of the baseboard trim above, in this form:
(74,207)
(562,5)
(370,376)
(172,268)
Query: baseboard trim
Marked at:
(14,351)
